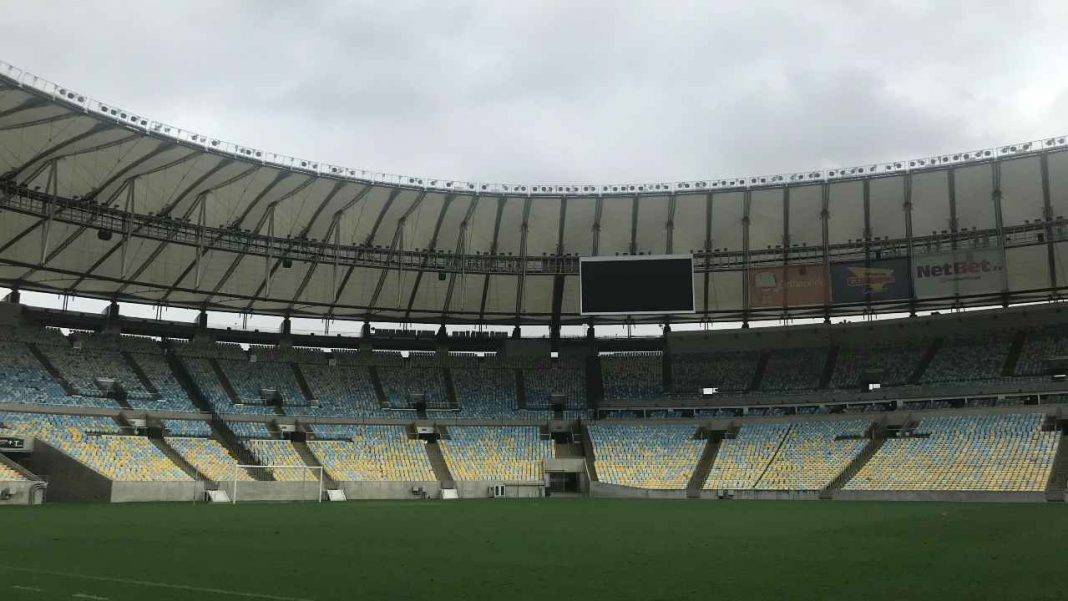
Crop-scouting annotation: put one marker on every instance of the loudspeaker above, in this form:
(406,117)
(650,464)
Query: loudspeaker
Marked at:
(287,263)
(103,234)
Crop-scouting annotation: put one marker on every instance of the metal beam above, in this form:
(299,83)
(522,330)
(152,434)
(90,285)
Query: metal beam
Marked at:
(433,245)
(335,230)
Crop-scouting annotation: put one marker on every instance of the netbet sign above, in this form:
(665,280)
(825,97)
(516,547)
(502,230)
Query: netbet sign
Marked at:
(963,273)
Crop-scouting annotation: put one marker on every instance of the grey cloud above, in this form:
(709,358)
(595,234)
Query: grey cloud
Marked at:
(566,91)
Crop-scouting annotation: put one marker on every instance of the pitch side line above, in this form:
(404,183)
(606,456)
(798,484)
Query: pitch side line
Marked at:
(180,587)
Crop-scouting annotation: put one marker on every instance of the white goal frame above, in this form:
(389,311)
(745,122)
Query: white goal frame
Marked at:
(304,469)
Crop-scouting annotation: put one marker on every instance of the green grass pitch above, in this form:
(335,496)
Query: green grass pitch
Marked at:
(539,549)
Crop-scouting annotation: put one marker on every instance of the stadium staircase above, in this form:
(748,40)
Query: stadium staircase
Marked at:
(19,469)
(221,431)
(438,464)
(876,438)
(51,369)
(758,375)
(142,377)
(450,388)
(302,382)
(594,381)
(587,447)
(309,458)
(1057,485)
(176,458)
(224,380)
(928,356)
(376,382)
(767,466)
(704,466)
(520,390)
(828,367)
(1013,358)
(666,373)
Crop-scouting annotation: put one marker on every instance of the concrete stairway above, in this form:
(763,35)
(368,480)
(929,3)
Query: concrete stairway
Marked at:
(51,369)
(875,442)
(309,458)
(928,356)
(782,441)
(302,382)
(758,374)
(828,367)
(450,388)
(1058,476)
(587,446)
(142,377)
(219,428)
(439,465)
(224,380)
(520,390)
(180,461)
(704,467)
(380,392)
(594,381)
(1013,357)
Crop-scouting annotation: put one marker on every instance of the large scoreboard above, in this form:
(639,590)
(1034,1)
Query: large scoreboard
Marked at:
(637,285)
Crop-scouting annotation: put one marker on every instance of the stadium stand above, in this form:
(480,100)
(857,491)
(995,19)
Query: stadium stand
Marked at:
(813,453)
(545,379)
(646,456)
(485,387)
(26,382)
(964,453)
(97,443)
(729,371)
(968,357)
(9,475)
(1040,345)
(507,453)
(375,453)
(209,458)
(794,369)
(742,460)
(86,358)
(637,376)
(281,452)
(894,364)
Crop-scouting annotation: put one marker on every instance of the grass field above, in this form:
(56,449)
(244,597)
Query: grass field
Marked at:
(511,550)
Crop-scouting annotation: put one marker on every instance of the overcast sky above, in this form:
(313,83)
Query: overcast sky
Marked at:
(567,91)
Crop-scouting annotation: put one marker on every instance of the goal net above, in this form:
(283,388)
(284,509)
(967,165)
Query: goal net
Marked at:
(291,483)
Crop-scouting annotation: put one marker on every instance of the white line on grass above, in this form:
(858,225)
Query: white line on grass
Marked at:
(90,597)
(35,589)
(180,587)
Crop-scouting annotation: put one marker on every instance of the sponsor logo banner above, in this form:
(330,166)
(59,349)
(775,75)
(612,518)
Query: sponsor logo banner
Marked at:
(963,272)
(878,280)
(790,286)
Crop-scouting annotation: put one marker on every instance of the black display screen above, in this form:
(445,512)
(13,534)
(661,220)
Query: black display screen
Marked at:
(622,285)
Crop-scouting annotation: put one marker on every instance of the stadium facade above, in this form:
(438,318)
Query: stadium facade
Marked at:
(100,202)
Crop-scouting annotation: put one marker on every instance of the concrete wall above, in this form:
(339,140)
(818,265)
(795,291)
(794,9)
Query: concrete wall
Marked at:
(23,492)
(480,489)
(389,490)
(68,479)
(145,492)
(617,491)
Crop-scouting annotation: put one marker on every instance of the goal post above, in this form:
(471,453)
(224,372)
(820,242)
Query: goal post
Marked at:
(309,477)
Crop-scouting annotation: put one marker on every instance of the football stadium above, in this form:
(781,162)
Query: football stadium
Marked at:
(834,383)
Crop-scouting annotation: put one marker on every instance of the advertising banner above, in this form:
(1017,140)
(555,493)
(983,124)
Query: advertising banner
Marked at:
(962,272)
(878,280)
(789,285)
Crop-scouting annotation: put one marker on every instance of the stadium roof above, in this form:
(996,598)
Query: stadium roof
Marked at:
(143,211)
